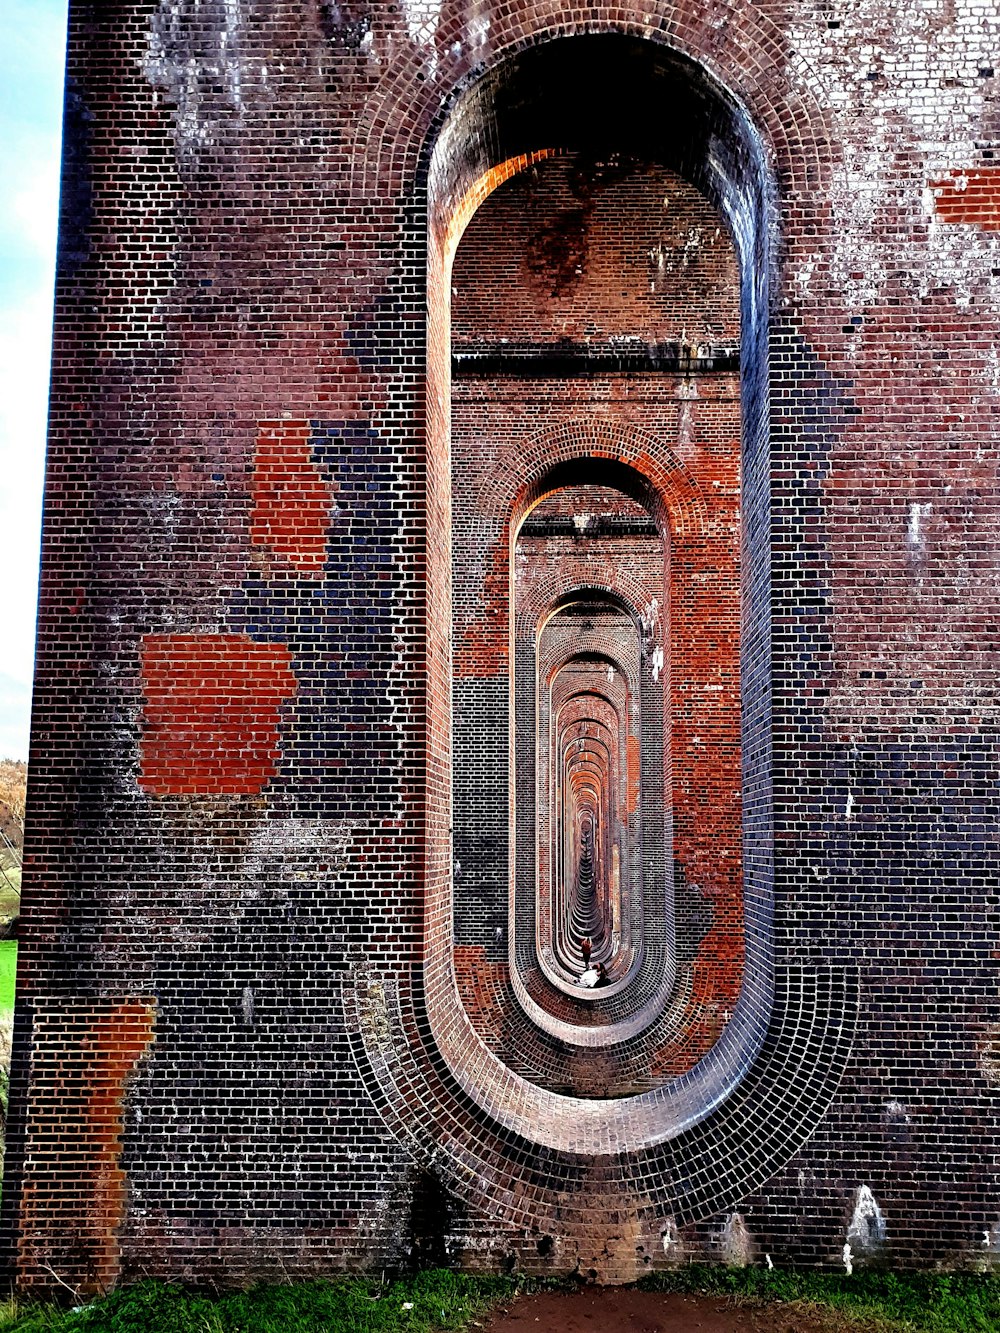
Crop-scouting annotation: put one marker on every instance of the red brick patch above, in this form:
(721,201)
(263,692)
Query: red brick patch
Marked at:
(291,501)
(75,1190)
(969,196)
(211,713)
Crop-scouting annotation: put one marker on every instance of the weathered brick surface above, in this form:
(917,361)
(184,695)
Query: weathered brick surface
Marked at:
(276,688)
(83,1053)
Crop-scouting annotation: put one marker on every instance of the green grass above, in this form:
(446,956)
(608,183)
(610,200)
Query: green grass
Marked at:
(8,970)
(436,1300)
(916,1303)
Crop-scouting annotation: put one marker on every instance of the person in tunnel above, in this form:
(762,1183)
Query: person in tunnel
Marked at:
(594,976)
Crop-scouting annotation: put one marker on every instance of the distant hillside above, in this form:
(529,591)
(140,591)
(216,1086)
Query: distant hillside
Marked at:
(13,784)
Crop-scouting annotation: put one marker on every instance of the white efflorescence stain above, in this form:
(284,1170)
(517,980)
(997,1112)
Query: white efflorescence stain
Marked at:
(478,25)
(866,1231)
(197,55)
(422,19)
(916,534)
(298,849)
(737,1242)
(910,49)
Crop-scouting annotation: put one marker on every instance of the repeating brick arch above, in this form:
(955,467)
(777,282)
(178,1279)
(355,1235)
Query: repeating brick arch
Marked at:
(617,455)
(622,591)
(634,463)
(626,458)
(643,974)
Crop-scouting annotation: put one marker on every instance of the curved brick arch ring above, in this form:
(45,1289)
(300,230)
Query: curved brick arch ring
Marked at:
(643,464)
(742,48)
(712,1160)
(624,457)
(618,591)
(619,586)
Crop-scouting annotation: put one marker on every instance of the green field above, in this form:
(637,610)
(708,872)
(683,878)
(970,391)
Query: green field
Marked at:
(867,1302)
(8,969)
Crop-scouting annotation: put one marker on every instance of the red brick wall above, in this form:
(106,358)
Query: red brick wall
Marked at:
(251,442)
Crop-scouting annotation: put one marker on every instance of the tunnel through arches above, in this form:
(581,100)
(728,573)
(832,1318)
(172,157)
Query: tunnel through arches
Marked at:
(624,1128)
(590,558)
(655,398)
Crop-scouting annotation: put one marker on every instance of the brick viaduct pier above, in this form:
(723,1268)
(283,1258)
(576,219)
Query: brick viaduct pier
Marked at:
(514,769)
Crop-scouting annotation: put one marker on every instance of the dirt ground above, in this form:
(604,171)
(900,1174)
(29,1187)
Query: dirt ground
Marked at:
(617,1310)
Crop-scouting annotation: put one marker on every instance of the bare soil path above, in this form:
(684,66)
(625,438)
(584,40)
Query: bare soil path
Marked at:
(624,1310)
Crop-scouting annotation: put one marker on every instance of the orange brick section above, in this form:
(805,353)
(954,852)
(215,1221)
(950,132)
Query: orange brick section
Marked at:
(482,986)
(211,713)
(291,501)
(74,1190)
(969,196)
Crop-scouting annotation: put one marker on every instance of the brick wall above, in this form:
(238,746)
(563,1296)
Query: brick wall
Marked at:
(285,474)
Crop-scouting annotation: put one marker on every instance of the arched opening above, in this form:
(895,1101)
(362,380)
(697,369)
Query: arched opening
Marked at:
(571,790)
(589,721)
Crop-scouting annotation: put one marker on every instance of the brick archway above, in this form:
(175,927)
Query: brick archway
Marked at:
(502,1103)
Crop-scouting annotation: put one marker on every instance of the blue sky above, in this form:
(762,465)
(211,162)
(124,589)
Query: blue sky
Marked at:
(32,49)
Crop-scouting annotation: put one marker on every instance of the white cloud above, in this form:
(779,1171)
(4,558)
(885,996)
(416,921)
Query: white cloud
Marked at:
(25,333)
